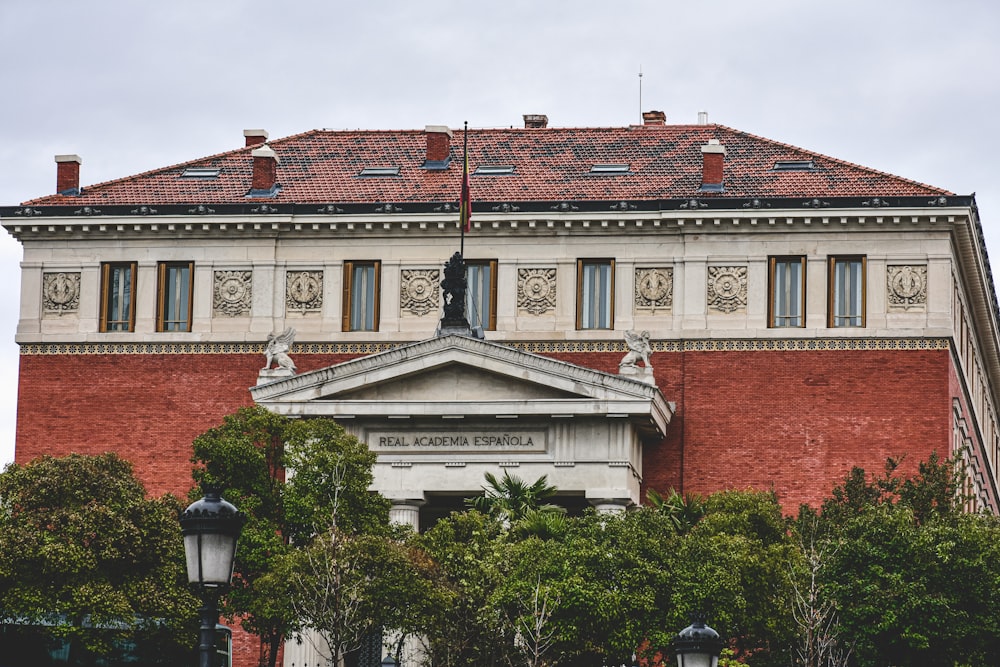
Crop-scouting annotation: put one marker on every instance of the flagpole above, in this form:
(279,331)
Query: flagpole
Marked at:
(465,206)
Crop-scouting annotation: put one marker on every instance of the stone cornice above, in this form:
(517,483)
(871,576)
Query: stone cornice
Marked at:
(173,222)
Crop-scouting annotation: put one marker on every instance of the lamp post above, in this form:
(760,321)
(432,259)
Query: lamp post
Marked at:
(211,526)
(697,645)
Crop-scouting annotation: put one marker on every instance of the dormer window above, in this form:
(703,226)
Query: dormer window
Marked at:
(493,169)
(201,172)
(609,169)
(378,172)
(794,165)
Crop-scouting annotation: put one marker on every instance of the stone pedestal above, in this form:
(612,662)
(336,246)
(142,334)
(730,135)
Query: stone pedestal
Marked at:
(267,375)
(640,373)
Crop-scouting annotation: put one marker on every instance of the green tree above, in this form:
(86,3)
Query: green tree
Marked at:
(347,587)
(87,558)
(464,549)
(247,457)
(684,510)
(510,499)
(913,578)
(733,566)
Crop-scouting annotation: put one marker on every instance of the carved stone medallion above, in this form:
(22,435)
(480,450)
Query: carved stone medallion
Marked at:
(233,291)
(418,291)
(906,286)
(727,288)
(304,290)
(61,292)
(654,289)
(536,290)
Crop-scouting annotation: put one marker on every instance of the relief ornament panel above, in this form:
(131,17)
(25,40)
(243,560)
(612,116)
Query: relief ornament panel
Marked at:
(536,290)
(233,293)
(418,291)
(61,292)
(727,288)
(654,289)
(304,291)
(906,287)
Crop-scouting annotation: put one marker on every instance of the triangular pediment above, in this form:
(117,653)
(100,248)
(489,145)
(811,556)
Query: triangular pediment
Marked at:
(455,381)
(458,375)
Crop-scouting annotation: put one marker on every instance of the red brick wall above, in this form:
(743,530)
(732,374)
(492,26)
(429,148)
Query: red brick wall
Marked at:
(148,408)
(792,421)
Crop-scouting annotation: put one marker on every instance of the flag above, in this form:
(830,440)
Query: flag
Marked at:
(465,203)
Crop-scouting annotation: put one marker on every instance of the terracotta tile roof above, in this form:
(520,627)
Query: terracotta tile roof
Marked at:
(550,164)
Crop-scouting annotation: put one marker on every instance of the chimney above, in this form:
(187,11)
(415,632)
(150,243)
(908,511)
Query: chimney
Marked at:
(534,121)
(68,174)
(703,118)
(713,157)
(438,146)
(265,172)
(654,118)
(255,137)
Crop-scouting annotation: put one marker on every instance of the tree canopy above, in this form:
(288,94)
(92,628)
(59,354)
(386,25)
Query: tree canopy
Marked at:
(295,479)
(86,558)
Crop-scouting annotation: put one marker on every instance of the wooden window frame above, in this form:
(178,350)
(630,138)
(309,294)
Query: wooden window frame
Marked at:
(772,315)
(106,269)
(491,318)
(831,318)
(581,264)
(162,273)
(348,293)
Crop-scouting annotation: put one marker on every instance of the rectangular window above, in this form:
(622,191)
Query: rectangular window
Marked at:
(361,296)
(118,296)
(175,289)
(481,297)
(787,280)
(595,280)
(847,292)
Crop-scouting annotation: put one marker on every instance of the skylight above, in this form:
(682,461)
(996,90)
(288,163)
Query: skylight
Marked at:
(379,171)
(609,169)
(494,169)
(201,172)
(794,165)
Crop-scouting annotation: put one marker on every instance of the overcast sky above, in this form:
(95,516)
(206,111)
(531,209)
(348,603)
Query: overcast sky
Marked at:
(910,87)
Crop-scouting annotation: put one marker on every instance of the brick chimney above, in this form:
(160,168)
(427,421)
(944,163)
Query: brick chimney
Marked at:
(713,157)
(654,118)
(68,174)
(535,121)
(255,137)
(438,146)
(265,172)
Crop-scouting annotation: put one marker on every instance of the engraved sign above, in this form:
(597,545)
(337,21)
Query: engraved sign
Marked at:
(417,441)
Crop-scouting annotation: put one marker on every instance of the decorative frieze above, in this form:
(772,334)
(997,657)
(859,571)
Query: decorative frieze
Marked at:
(727,288)
(233,293)
(654,290)
(536,290)
(538,347)
(60,292)
(304,291)
(418,291)
(906,287)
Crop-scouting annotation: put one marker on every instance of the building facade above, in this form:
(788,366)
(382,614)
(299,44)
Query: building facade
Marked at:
(652,306)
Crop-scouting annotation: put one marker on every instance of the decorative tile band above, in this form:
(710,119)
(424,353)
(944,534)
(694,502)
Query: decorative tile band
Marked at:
(541,347)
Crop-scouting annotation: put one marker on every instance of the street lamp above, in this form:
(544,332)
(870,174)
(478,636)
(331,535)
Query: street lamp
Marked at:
(697,645)
(211,526)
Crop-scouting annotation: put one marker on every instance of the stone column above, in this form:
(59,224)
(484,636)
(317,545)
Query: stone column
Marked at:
(406,511)
(610,505)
